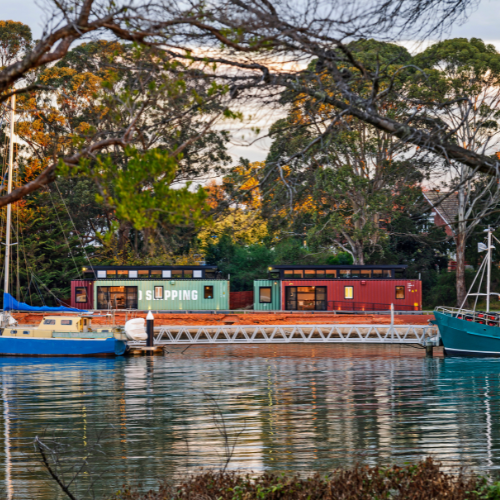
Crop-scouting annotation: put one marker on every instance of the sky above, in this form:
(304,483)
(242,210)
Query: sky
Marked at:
(483,23)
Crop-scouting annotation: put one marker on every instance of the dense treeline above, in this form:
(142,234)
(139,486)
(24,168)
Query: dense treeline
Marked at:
(355,196)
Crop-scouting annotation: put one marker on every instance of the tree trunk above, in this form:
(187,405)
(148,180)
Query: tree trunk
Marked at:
(460,272)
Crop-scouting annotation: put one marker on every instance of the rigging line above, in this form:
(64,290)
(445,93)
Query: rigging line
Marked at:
(50,291)
(74,226)
(21,243)
(64,234)
(38,290)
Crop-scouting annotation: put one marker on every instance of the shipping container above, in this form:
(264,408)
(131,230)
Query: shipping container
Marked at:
(82,294)
(162,295)
(266,295)
(353,295)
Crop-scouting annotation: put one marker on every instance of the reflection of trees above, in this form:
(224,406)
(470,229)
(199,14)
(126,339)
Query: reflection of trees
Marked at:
(319,411)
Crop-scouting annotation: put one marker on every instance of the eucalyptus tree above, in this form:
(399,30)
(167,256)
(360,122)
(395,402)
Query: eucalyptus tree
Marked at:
(251,50)
(465,74)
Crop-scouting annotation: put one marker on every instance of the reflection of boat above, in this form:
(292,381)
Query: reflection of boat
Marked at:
(55,335)
(469,332)
(62,336)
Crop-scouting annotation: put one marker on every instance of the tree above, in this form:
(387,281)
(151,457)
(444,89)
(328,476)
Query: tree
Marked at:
(264,31)
(15,41)
(466,73)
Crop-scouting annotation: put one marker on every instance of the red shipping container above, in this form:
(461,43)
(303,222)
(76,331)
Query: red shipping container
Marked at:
(367,295)
(89,286)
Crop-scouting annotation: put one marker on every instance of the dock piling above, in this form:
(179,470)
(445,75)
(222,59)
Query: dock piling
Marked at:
(150,328)
(429,350)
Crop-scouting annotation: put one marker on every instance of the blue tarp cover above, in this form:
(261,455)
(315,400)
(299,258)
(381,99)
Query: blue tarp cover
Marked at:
(11,304)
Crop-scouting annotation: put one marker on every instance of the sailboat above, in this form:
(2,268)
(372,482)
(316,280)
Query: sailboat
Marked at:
(467,332)
(56,335)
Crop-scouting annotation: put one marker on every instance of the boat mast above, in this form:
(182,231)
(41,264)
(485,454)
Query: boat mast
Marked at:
(488,280)
(9,190)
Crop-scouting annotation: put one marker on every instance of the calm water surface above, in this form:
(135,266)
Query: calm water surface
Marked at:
(297,408)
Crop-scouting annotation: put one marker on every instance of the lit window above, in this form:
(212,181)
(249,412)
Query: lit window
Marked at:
(158,292)
(188,273)
(156,273)
(298,273)
(143,273)
(177,273)
(377,273)
(80,294)
(288,274)
(196,274)
(265,294)
(122,273)
(348,292)
(366,273)
(66,322)
(400,292)
(310,273)
(208,292)
(331,273)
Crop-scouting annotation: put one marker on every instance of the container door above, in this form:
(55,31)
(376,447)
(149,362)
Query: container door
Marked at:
(291,298)
(320,298)
(131,297)
(103,297)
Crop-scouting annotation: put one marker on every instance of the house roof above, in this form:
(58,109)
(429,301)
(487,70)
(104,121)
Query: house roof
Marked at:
(445,203)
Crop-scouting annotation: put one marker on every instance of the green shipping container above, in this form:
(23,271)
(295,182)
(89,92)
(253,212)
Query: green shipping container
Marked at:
(260,297)
(162,295)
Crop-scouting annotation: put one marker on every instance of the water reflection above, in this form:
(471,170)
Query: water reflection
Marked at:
(284,408)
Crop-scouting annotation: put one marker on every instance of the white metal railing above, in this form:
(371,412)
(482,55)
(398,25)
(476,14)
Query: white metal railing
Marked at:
(282,334)
(491,318)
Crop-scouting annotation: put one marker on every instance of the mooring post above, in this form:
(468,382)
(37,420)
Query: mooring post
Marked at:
(150,328)
(429,350)
(392,321)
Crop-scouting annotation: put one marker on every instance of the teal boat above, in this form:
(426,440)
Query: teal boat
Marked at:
(467,332)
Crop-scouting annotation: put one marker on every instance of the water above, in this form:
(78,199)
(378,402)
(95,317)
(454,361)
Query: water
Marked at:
(295,408)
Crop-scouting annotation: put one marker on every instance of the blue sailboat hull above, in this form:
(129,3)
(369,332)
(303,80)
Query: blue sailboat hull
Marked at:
(466,338)
(61,347)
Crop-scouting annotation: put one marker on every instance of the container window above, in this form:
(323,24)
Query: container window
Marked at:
(197,274)
(320,273)
(177,273)
(158,292)
(288,274)
(345,273)
(310,273)
(377,273)
(400,292)
(155,273)
(49,322)
(208,292)
(298,273)
(366,273)
(166,273)
(387,273)
(111,273)
(210,274)
(101,274)
(399,273)
(355,273)
(265,294)
(274,275)
(132,274)
(66,322)
(143,273)
(331,273)
(80,294)
(188,273)
(89,275)
(348,292)
(122,274)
